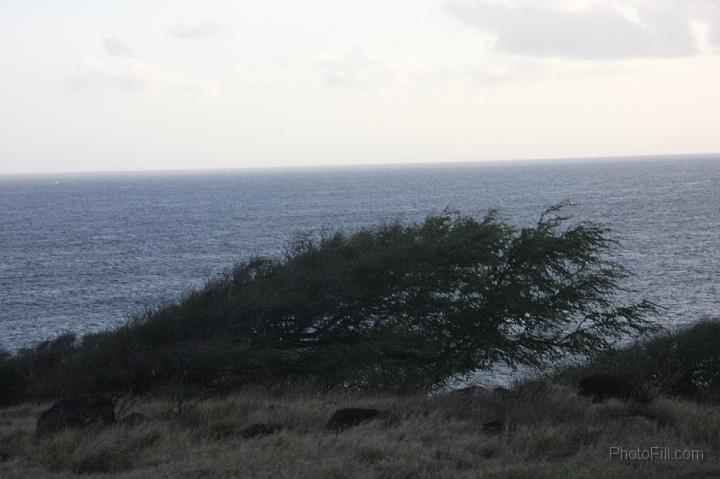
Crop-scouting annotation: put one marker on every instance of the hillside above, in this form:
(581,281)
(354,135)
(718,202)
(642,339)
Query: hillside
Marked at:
(546,431)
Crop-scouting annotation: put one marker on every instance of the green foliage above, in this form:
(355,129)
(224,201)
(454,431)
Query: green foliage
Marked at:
(684,363)
(12,382)
(399,306)
(21,374)
(410,306)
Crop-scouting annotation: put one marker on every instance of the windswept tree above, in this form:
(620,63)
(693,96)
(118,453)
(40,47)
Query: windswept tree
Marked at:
(399,306)
(413,305)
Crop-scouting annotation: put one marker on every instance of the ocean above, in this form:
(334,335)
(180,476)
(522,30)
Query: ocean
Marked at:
(83,252)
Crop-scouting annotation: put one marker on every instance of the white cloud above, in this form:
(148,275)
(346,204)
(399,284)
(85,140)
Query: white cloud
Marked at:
(129,75)
(205,28)
(584,30)
(117,48)
(357,67)
(123,71)
(360,68)
(505,70)
(710,15)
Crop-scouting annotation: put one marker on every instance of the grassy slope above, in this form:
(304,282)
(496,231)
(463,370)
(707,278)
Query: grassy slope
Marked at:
(550,433)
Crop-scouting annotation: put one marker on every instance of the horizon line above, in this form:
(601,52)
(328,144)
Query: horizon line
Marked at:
(369,165)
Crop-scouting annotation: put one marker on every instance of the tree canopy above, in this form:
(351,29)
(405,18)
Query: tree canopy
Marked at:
(417,304)
(399,306)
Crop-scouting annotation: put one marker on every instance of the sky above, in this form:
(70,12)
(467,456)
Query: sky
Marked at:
(155,84)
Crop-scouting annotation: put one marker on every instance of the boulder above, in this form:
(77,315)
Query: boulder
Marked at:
(79,410)
(134,419)
(493,428)
(603,386)
(258,430)
(347,418)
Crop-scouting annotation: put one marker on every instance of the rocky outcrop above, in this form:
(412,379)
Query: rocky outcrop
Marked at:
(493,428)
(134,419)
(603,386)
(76,411)
(347,418)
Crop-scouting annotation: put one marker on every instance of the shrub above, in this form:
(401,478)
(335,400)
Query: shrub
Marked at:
(23,373)
(684,363)
(12,382)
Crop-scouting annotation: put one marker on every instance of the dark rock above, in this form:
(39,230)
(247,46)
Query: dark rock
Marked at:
(277,407)
(258,430)
(79,410)
(493,428)
(489,451)
(350,417)
(469,391)
(5,456)
(602,386)
(134,419)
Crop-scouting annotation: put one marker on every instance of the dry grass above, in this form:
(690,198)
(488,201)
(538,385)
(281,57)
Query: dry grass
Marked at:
(549,432)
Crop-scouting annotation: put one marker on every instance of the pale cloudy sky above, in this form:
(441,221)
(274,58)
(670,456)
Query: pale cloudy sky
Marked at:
(155,84)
